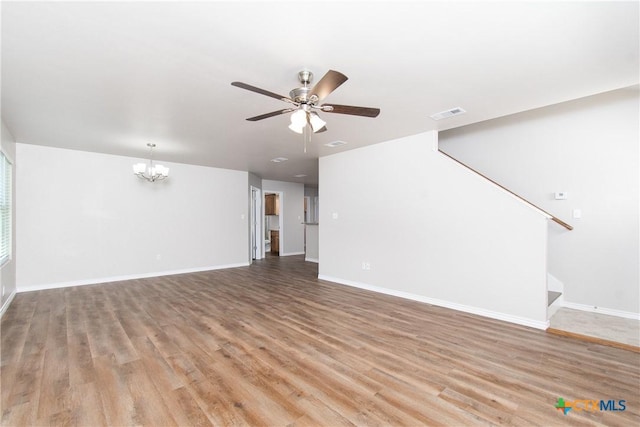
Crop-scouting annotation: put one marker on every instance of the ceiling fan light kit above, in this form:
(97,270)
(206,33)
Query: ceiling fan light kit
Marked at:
(296,129)
(298,121)
(316,122)
(305,100)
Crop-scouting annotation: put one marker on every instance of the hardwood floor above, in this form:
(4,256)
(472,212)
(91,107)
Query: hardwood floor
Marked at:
(271,345)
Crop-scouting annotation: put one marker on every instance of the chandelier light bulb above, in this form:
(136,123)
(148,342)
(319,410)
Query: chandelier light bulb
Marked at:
(139,168)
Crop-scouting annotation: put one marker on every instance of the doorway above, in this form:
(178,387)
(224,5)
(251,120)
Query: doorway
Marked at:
(256,247)
(273,222)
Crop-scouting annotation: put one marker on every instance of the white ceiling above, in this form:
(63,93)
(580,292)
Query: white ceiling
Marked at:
(110,77)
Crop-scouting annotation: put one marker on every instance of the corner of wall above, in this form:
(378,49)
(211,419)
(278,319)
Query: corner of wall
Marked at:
(8,270)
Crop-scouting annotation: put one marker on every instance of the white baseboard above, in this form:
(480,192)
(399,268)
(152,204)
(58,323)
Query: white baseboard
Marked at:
(291,253)
(312,260)
(126,277)
(543,325)
(7,303)
(602,310)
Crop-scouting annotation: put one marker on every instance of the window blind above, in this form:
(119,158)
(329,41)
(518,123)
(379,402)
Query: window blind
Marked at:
(5,209)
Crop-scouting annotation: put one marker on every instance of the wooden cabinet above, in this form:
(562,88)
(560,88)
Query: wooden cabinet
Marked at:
(275,242)
(271,204)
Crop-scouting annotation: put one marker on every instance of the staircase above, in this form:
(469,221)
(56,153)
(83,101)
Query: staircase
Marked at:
(552,296)
(553,283)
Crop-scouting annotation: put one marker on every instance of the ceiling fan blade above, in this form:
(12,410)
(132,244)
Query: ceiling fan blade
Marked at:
(271,114)
(261,91)
(322,129)
(327,84)
(350,109)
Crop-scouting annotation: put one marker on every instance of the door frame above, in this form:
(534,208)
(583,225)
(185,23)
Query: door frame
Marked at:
(256,239)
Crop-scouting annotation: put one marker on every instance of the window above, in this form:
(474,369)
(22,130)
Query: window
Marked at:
(5,209)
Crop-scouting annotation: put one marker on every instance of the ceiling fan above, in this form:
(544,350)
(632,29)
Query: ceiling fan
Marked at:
(305,100)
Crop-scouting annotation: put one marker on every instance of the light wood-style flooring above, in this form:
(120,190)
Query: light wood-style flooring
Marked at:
(271,345)
(597,326)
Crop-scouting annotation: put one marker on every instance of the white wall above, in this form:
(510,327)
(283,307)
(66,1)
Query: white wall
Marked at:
(588,148)
(292,213)
(255,181)
(311,243)
(312,194)
(8,272)
(85,218)
(430,230)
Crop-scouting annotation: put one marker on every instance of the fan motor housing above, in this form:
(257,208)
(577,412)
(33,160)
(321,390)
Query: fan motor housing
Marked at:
(301,95)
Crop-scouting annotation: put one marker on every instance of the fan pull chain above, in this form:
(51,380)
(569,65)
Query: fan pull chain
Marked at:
(306,137)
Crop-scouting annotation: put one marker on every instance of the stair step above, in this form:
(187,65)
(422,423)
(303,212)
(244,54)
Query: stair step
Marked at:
(552,296)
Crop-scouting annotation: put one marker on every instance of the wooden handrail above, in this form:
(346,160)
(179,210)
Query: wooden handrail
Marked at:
(552,217)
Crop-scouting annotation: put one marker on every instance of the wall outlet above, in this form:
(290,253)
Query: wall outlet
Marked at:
(366,265)
(158,257)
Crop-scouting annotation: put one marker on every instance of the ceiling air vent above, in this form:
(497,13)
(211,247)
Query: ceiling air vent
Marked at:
(448,113)
(279,159)
(335,143)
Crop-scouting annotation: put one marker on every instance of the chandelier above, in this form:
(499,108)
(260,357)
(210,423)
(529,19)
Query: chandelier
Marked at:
(149,171)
